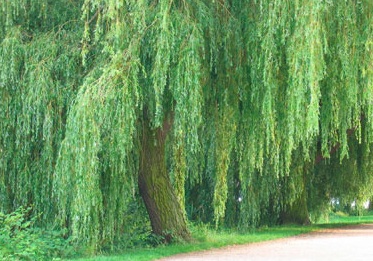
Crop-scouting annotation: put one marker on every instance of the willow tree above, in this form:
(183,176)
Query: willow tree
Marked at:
(101,99)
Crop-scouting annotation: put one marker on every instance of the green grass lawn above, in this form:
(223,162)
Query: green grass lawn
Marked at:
(208,238)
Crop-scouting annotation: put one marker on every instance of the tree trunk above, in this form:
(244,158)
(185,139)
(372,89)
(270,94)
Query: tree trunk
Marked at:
(166,216)
(298,211)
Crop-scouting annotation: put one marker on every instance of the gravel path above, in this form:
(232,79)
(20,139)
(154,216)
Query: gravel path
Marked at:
(351,243)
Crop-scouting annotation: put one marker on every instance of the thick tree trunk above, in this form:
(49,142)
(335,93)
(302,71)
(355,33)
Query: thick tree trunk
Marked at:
(166,216)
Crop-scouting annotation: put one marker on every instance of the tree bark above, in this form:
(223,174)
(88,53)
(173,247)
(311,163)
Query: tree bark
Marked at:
(165,213)
(297,213)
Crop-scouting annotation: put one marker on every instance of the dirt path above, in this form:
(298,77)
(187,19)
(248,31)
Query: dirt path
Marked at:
(349,243)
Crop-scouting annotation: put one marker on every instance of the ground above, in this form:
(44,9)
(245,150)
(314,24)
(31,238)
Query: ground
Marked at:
(351,243)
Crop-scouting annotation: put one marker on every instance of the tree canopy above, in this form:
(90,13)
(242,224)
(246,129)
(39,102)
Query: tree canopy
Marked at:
(267,101)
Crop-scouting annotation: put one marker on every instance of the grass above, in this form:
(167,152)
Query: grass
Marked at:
(206,238)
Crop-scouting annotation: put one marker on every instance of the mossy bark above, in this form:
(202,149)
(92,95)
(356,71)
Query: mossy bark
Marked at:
(165,213)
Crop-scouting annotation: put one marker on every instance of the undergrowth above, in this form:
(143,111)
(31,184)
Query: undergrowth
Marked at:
(20,239)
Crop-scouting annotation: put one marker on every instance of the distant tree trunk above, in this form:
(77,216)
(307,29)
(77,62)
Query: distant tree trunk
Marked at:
(298,211)
(166,216)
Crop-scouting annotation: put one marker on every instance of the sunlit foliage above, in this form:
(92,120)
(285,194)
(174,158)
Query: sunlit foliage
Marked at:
(258,92)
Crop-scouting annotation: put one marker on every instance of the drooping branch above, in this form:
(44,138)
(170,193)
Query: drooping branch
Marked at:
(319,156)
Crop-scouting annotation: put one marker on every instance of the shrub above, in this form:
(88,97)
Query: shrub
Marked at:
(20,239)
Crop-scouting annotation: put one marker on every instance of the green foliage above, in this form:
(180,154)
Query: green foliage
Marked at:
(20,239)
(256,92)
(348,180)
(39,72)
